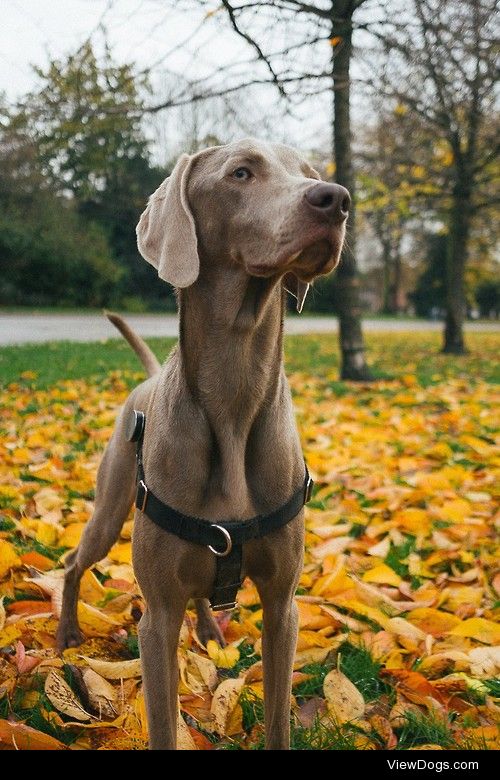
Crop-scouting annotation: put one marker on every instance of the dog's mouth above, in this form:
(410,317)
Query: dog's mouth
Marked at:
(314,260)
(307,260)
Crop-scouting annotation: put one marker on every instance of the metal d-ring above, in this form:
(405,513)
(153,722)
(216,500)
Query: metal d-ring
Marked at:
(227,538)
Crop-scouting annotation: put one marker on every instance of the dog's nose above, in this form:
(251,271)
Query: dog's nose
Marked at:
(332,200)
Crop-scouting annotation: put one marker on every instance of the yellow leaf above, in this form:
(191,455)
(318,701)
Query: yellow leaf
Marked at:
(433,621)
(71,535)
(9,558)
(93,622)
(455,511)
(334,582)
(9,634)
(35,440)
(335,40)
(313,655)
(312,639)
(121,552)
(383,575)
(372,613)
(413,519)
(479,628)
(91,590)
(115,670)
(344,701)
(223,657)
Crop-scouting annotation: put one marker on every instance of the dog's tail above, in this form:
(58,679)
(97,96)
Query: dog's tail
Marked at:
(141,349)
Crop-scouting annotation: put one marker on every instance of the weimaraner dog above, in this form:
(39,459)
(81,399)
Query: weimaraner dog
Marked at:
(232,228)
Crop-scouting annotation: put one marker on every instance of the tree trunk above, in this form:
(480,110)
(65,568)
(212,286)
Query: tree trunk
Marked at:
(386,278)
(396,303)
(455,271)
(347,304)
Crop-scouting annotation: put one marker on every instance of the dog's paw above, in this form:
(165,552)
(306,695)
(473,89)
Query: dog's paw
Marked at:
(208,629)
(69,636)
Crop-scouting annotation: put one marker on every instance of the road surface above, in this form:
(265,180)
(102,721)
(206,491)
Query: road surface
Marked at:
(23,328)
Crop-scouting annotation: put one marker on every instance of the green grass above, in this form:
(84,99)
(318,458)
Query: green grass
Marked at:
(57,360)
(390,355)
(361,668)
(425,730)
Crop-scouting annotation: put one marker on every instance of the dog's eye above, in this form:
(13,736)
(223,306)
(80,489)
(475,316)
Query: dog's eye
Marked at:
(241,173)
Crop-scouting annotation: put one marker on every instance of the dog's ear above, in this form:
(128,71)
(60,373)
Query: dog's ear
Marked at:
(297,288)
(166,233)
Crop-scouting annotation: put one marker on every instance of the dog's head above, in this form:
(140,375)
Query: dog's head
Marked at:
(259,204)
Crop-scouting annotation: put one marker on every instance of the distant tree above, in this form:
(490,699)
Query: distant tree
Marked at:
(85,127)
(429,296)
(49,254)
(488,298)
(442,66)
(398,190)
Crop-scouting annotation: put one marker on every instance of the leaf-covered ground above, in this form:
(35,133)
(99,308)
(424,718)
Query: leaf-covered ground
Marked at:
(399,643)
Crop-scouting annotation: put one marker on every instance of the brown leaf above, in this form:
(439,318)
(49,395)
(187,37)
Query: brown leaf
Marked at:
(62,697)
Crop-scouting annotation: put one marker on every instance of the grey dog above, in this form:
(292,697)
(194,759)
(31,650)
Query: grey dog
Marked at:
(231,228)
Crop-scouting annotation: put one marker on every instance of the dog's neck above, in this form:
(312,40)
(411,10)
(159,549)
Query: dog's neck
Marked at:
(231,331)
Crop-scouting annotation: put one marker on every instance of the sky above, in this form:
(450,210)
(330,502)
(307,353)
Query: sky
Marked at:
(144,31)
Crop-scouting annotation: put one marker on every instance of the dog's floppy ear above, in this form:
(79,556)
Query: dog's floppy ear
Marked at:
(297,288)
(166,233)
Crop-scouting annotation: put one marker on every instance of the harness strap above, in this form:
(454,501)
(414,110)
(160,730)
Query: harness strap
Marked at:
(225,537)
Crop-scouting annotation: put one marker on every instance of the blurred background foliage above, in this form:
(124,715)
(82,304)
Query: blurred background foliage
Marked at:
(78,163)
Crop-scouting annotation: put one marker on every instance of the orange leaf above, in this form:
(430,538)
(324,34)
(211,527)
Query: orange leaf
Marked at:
(18,736)
(37,560)
(414,686)
(29,607)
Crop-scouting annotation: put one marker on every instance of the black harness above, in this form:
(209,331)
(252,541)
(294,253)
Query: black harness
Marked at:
(230,535)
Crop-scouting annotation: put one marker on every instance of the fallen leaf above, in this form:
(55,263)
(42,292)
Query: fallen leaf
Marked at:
(433,621)
(343,700)
(102,697)
(224,702)
(62,697)
(25,663)
(114,670)
(9,559)
(478,628)
(19,736)
(485,661)
(223,657)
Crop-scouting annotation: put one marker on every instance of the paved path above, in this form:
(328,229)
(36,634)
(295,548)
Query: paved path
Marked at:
(25,328)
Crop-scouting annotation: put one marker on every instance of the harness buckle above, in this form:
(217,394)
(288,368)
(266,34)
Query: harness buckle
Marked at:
(142,496)
(227,538)
(308,489)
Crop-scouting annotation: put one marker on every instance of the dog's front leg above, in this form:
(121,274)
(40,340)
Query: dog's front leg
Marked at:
(159,630)
(279,641)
